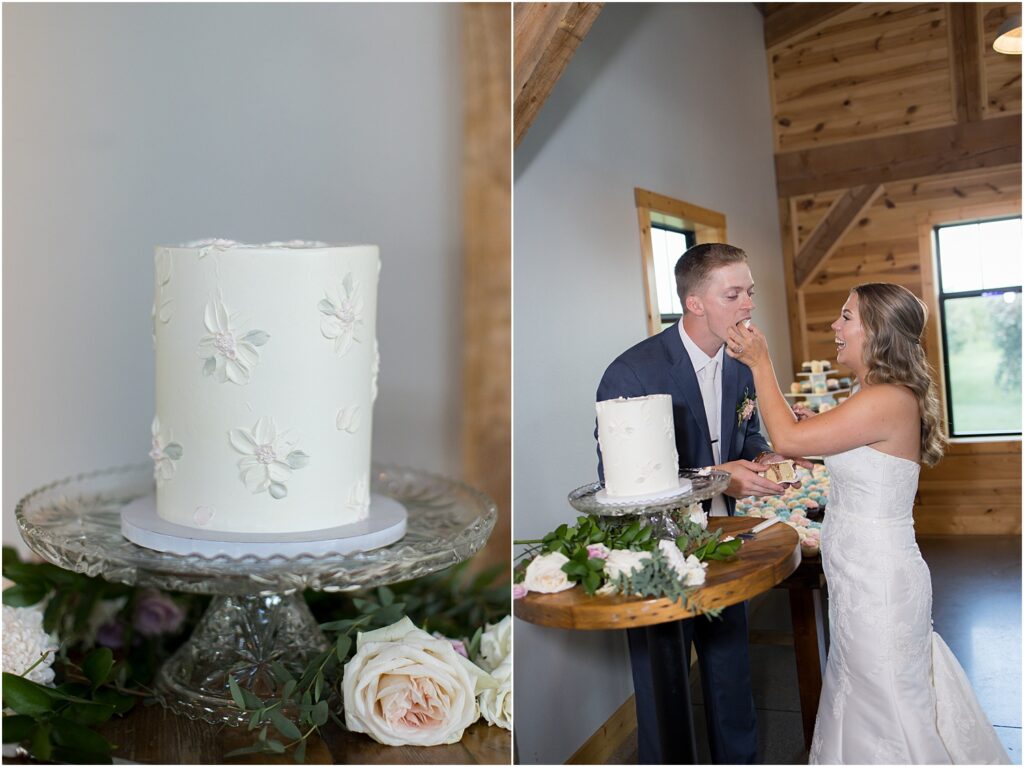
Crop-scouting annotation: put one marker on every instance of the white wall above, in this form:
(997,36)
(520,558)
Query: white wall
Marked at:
(669,98)
(127,126)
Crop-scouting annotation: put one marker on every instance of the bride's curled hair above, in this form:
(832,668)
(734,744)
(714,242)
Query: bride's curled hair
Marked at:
(894,320)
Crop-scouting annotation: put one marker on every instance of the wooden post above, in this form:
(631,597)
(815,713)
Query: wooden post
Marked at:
(487,260)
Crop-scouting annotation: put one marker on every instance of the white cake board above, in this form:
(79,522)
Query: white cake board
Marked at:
(385,525)
(684,487)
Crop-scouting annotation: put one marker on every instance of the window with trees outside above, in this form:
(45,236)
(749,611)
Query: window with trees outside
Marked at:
(669,240)
(979,283)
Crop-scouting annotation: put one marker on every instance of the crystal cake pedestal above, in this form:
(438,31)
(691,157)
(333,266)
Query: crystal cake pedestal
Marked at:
(257,615)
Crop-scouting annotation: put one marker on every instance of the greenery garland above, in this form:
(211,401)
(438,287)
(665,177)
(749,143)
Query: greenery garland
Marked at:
(94,684)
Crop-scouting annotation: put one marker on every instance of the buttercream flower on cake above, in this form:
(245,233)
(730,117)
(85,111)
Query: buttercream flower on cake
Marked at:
(268,457)
(342,312)
(359,499)
(164,453)
(229,355)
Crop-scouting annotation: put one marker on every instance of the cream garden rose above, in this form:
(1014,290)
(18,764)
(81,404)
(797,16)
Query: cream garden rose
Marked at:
(624,562)
(405,687)
(496,703)
(495,644)
(544,574)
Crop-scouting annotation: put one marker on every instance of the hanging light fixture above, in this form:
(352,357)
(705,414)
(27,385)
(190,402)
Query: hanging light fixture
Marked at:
(1008,36)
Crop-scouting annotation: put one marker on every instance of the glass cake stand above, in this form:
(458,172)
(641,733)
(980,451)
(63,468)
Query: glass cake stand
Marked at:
(257,615)
(706,483)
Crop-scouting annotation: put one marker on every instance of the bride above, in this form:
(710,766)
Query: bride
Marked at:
(893,692)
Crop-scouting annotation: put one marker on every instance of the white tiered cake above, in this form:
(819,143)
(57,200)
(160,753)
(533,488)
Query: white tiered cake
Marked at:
(266,374)
(638,445)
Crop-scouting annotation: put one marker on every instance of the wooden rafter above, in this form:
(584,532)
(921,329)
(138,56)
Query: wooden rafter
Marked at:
(785,22)
(545,37)
(965,60)
(964,146)
(840,218)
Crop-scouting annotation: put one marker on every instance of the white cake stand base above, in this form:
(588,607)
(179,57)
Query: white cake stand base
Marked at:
(385,525)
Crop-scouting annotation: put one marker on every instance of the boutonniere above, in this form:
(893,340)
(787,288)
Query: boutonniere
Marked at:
(745,410)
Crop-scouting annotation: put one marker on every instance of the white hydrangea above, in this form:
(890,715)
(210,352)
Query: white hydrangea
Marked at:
(24,641)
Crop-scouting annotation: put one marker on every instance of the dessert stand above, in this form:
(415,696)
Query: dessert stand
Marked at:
(257,616)
(704,484)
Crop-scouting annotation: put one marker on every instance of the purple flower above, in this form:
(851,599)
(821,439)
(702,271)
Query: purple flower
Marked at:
(597,551)
(156,614)
(110,635)
(457,644)
(519,591)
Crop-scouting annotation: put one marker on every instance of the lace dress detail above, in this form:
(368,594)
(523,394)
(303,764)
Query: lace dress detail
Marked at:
(893,693)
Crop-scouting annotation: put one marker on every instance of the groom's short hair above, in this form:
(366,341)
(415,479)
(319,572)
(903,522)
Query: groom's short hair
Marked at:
(695,266)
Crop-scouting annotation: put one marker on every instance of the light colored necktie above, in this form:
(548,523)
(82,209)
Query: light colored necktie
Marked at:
(709,392)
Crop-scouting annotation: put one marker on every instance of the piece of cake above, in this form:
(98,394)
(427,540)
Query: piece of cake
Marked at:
(638,445)
(266,375)
(781,471)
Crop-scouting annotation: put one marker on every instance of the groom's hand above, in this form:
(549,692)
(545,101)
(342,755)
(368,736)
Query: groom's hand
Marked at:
(766,458)
(744,480)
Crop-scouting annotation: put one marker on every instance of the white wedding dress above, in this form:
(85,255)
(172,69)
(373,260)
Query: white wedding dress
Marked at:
(893,692)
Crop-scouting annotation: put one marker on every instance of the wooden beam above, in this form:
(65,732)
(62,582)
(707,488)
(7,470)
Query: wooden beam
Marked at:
(785,22)
(796,306)
(965,60)
(487,258)
(964,146)
(845,211)
(545,38)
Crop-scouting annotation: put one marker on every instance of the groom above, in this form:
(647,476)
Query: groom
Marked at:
(709,390)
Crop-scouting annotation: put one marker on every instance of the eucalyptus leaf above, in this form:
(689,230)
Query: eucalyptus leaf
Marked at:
(257,749)
(289,689)
(280,673)
(320,712)
(300,752)
(236,693)
(276,746)
(277,490)
(256,337)
(341,647)
(173,451)
(297,459)
(24,696)
(284,725)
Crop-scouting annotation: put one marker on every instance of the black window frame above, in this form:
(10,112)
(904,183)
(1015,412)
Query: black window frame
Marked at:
(943,296)
(690,235)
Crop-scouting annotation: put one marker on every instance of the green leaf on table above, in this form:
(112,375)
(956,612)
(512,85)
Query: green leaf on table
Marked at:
(256,749)
(89,715)
(284,725)
(78,737)
(25,697)
(97,665)
(300,752)
(120,702)
(280,673)
(39,744)
(289,689)
(26,594)
(385,595)
(18,728)
(275,745)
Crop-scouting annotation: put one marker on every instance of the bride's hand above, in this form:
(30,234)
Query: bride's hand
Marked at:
(747,345)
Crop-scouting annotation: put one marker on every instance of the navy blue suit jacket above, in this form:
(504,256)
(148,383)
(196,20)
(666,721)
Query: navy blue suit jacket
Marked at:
(660,365)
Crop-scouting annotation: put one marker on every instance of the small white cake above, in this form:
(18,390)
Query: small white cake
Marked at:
(266,374)
(638,445)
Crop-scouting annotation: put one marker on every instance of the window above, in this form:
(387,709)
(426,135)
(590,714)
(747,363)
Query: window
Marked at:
(979,285)
(669,240)
(667,228)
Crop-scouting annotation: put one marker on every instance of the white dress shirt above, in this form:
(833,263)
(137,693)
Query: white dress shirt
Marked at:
(712,407)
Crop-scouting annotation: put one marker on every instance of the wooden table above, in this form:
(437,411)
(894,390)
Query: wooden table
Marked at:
(761,564)
(809,611)
(153,735)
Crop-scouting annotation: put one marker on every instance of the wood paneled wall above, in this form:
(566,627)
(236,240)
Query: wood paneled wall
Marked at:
(889,119)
